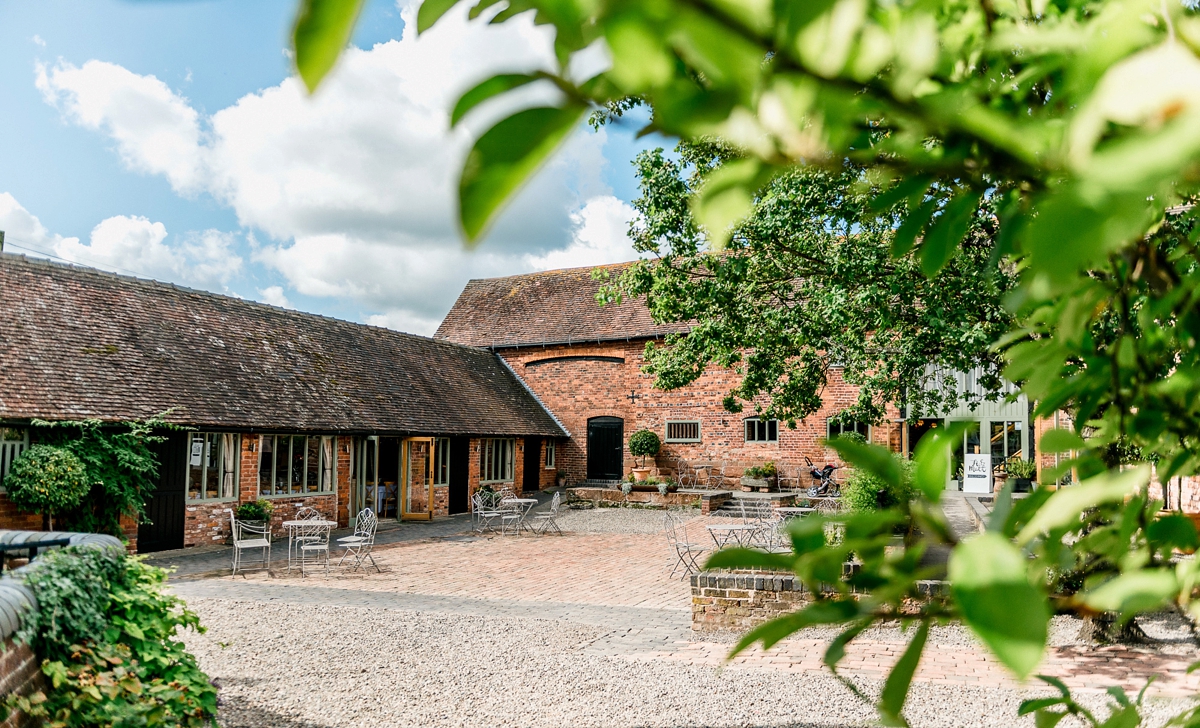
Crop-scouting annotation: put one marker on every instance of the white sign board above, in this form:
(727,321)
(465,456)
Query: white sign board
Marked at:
(977,473)
(197,452)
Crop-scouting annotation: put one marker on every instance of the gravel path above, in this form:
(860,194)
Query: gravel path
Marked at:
(296,666)
(619,520)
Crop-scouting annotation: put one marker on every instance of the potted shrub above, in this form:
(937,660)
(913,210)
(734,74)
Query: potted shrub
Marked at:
(754,478)
(1023,472)
(643,444)
(257,512)
(47,480)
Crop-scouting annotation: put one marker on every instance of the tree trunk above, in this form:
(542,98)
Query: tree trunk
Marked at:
(1104,629)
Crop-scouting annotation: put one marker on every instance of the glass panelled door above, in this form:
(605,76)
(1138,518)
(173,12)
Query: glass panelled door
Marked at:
(417,476)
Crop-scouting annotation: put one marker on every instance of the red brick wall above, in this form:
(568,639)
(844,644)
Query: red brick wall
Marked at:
(576,391)
(19,673)
(12,517)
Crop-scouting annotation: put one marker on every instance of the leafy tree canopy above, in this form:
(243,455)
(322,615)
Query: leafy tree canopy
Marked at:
(809,283)
(47,479)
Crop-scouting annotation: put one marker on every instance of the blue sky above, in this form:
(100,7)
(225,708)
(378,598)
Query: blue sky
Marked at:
(166,139)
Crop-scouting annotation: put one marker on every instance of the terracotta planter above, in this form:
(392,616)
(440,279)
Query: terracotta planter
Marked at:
(641,475)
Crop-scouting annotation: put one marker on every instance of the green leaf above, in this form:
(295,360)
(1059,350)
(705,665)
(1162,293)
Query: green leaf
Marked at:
(902,190)
(837,648)
(932,459)
(906,234)
(989,582)
(727,196)
(322,30)
(504,158)
(742,558)
(431,11)
(487,89)
(874,459)
(823,612)
(895,689)
(1034,704)
(947,232)
(1066,505)
(1132,592)
(1048,718)
(1061,441)
(1173,531)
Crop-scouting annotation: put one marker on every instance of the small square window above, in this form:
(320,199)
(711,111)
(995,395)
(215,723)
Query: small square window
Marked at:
(838,427)
(683,431)
(762,430)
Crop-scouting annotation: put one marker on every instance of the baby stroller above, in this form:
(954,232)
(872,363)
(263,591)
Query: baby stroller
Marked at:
(823,480)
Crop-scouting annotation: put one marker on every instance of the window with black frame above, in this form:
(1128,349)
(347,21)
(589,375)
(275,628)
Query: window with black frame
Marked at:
(835,427)
(296,465)
(759,430)
(213,465)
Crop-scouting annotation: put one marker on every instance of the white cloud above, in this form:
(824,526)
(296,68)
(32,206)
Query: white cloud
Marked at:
(601,236)
(156,131)
(37,40)
(355,187)
(274,295)
(131,245)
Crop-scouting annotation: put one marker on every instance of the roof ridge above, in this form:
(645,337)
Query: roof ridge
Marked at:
(551,271)
(101,273)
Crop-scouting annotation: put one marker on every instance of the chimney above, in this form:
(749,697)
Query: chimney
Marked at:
(1,241)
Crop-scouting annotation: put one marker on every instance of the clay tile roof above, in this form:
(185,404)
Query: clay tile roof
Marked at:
(79,343)
(553,307)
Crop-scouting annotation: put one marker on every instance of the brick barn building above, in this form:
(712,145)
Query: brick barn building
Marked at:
(584,363)
(297,408)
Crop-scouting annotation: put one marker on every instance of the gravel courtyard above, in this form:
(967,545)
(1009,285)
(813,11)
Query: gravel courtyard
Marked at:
(580,630)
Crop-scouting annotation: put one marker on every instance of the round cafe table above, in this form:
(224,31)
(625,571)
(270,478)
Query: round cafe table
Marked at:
(293,526)
(525,504)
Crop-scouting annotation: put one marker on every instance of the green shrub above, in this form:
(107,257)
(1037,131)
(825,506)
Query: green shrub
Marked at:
(106,633)
(1020,468)
(259,510)
(47,479)
(861,491)
(644,443)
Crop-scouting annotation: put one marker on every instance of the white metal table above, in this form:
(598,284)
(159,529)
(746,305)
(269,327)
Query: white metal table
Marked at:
(739,533)
(525,505)
(293,526)
(795,511)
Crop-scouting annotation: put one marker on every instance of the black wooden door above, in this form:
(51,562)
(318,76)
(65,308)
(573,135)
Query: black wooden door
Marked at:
(165,506)
(606,448)
(459,465)
(531,478)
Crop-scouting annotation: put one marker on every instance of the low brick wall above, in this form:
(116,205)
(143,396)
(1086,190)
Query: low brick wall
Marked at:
(19,673)
(610,495)
(736,601)
(742,600)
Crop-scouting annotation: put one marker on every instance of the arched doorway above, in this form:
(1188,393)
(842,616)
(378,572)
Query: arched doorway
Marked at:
(606,448)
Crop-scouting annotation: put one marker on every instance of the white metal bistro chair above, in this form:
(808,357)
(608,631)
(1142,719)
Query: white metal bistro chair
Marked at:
(249,537)
(546,520)
(485,513)
(295,539)
(683,554)
(360,544)
(313,545)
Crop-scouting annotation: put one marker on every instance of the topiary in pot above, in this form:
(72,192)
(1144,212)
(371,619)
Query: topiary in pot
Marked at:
(643,444)
(47,480)
(259,510)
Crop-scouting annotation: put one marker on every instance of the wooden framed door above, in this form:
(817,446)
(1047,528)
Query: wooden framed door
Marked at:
(416,478)
(606,448)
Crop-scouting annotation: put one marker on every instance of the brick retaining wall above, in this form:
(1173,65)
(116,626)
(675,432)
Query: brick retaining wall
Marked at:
(742,600)
(652,498)
(19,673)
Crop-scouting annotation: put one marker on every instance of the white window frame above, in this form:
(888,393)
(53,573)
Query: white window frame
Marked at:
(496,459)
(551,455)
(441,462)
(11,448)
(206,442)
(831,423)
(327,470)
(667,431)
(771,426)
